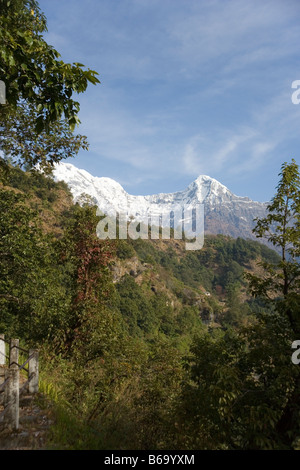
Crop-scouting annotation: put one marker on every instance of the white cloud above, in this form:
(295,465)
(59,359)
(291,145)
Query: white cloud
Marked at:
(217,154)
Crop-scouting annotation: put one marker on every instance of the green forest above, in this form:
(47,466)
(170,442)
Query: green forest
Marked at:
(143,345)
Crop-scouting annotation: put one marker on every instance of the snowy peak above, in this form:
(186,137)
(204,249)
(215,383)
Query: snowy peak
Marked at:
(205,188)
(81,182)
(70,174)
(224,211)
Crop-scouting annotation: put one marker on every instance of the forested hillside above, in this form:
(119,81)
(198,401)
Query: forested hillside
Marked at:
(145,345)
(156,285)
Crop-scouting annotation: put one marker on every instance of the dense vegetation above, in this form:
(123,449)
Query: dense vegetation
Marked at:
(144,345)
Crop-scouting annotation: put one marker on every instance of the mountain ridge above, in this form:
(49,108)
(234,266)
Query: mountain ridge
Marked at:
(224,212)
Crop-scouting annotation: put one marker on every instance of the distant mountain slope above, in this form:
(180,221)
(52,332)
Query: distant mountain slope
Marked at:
(225,213)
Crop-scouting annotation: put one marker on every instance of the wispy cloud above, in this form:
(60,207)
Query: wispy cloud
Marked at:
(240,150)
(217,156)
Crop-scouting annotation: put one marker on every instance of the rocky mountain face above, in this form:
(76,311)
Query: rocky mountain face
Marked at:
(224,212)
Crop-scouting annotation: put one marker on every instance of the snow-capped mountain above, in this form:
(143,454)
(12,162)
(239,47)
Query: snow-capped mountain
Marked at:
(224,212)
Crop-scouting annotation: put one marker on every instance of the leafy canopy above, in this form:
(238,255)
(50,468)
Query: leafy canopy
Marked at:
(281,280)
(32,69)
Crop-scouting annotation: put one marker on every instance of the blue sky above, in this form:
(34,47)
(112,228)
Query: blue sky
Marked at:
(188,87)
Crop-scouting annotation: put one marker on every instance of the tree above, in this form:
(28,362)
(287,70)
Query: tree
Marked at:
(40,115)
(206,412)
(85,258)
(280,284)
(22,145)
(32,69)
(244,390)
(32,294)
